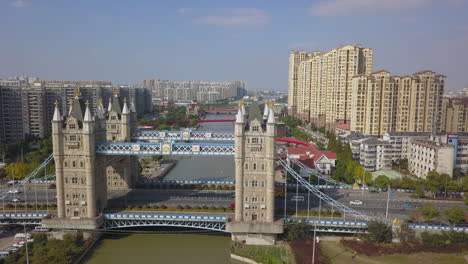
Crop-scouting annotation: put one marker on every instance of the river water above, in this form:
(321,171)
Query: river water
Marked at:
(175,248)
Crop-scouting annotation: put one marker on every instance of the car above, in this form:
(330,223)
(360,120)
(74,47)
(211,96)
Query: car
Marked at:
(297,198)
(16,245)
(408,204)
(14,191)
(355,202)
(193,195)
(15,200)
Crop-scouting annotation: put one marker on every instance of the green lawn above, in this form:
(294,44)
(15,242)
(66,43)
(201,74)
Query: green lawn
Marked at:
(337,254)
(278,254)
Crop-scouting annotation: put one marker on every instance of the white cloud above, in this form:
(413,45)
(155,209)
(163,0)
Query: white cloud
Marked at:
(19,3)
(236,17)
(345,7)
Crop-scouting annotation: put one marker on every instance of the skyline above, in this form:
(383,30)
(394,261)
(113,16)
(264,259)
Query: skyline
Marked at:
(221,40)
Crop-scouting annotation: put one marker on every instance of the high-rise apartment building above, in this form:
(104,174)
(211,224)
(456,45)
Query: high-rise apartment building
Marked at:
(27,107)
(195,90)
(454,114)
(383,103)
(320,83)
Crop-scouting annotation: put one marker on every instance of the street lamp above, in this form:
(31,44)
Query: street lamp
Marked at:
(388,200)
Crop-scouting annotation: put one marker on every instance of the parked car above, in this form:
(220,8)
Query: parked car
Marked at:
(355,202)
(14,191)
(297,198)
(15,200)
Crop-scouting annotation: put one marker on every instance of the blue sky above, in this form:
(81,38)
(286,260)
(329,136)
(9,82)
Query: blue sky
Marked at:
(127,41)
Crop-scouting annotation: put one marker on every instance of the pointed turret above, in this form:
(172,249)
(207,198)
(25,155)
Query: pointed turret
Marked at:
(100,111)
(87,115)
(239,116)
(271,117)
(132,105)
(266,110)
(125,110)
(109,107)
(57,116)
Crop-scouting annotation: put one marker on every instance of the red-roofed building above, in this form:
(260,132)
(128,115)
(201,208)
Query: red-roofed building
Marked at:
(322,160)
(343,129)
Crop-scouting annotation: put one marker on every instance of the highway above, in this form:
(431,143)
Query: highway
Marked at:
(373,204)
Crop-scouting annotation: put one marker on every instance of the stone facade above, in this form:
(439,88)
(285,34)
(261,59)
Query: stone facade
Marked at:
(82,177)
(255,145)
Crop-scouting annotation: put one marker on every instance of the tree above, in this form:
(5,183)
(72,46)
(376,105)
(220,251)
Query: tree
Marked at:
(382,181)
(455,214)
(466,198)
(408,183)
(465,184)
(419,192)
(3,173)
(379,232)
(17,170)
(429,211)
(296,230)
(452,186)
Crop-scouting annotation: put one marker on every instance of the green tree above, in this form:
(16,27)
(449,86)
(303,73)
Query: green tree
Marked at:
(465,184)
(452,186)
(382,181)
(408,183)
(455,214)
(296,230)
(419,192)
(163,127)
(466,198)
(17,170)
(378,231)
(3,173)
(429,211)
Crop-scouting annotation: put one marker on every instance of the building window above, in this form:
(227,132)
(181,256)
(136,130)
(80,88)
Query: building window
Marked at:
(66,164)
(254,183)
(81,164)
(72,137)
(246,199)
(72,126)
(66,180)
(255,128)
(254,140)
(246,184)
(246,166)
(255,166)
(263,167)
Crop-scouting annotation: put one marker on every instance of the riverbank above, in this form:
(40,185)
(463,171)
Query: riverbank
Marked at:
(280,253)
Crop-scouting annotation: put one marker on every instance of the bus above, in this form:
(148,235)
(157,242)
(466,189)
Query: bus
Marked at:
(22,237)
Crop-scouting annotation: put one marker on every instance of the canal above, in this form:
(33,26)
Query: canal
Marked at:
(175,248)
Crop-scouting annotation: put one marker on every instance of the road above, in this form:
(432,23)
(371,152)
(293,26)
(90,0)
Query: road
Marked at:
(372,203)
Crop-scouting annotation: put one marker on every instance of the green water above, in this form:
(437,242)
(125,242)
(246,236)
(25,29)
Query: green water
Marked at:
(162,248)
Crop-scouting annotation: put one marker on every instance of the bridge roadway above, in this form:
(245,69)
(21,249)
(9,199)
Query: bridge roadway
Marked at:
(206,221)
(372,202)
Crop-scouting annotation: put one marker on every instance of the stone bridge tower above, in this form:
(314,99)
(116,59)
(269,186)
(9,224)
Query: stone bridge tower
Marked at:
(81,178)
(255,145)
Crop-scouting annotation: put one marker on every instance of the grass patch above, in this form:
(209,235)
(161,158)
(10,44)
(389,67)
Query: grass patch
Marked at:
(278,254)
(336,253)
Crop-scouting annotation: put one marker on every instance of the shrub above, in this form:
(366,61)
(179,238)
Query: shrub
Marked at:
(428,211)
(188,207)
(131,207)
(144,207)
(155,206)
(212,207)
(455,214)
(163,206)
(378,231)
(296,230)
(197,207)
(205,207)
(180,207)
(52,186)
(406,234)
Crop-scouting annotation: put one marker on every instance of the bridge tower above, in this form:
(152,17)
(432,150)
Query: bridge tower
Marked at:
(82,177)
(121,120)
(81,194)
(254,221)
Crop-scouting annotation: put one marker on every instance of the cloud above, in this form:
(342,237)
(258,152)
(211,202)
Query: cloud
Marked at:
(345,7)
(19,3)
(236,17)
(184,10)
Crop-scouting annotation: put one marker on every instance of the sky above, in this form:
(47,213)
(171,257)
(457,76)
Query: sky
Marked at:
(250,40)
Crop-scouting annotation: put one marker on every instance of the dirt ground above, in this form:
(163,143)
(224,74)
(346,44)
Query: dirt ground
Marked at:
(303,250)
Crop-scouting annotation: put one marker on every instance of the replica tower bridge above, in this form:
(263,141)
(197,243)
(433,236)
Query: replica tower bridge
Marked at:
(96,153)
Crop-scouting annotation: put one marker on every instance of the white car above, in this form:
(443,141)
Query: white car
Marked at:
(355,202)
(14,191)
(16,200)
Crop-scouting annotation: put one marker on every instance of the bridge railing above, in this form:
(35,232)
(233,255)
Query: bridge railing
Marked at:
(23,215)
(165,217)
(182,135)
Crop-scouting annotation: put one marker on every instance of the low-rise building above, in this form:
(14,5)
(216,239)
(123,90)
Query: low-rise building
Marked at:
(322,160)
(400,142)
(343,129)
(426,156)
(375,154)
